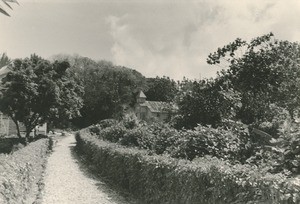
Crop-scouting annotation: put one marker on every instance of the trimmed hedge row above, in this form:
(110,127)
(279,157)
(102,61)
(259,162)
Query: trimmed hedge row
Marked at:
(21,172)
(161,179)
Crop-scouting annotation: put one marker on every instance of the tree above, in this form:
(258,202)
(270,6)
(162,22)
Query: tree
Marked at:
(109,89)
(36,91)
(201,102)
(161,89)
(266,73)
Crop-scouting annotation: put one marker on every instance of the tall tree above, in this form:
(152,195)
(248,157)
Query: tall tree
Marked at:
(201,102)
(161,89)
(36,91)
(109,90)
(267,72)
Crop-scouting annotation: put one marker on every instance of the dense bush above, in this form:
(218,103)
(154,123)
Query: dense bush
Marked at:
(187,144)
(233,141)
(113,133)
(161,179)
(281,155)
(21,171)
(7,144)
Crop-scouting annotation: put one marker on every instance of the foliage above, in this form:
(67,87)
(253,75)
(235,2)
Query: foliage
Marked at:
(231,143)
(161,89)
(234,142)
(267,73)
(7,144)
(21,171)
(36,91)
(109,90)
(130,121)
(279,155)
(161,179)
(113,133)
(201,103)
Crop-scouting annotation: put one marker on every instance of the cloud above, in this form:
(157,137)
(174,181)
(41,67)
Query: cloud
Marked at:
(174,39)
(161,37)
(157,45)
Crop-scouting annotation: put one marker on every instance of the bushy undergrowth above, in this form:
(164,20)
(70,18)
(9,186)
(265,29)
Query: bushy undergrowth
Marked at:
(21,171)
(231,142)
(162,179)
(185,144)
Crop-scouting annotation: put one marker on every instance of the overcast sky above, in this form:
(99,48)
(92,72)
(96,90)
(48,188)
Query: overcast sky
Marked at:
(157,37)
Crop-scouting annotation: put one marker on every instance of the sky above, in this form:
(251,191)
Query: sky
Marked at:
(157,38)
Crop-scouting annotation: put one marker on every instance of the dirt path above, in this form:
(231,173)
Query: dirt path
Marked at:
(66,183)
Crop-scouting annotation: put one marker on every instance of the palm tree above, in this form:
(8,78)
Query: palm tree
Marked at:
(6,2)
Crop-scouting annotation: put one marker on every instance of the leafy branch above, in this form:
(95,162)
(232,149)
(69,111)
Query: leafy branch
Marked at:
(7,4)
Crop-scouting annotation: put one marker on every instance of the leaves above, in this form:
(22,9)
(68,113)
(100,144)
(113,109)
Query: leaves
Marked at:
(161,89)
(266,73)
(109,90)
(37,91)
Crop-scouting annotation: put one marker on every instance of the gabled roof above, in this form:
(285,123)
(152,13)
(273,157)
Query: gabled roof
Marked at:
(156,106)
(142,95)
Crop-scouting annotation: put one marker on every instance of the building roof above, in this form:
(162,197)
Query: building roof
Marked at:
(142,95)
(156,106)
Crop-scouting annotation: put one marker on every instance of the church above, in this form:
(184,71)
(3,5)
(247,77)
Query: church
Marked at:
(151,110)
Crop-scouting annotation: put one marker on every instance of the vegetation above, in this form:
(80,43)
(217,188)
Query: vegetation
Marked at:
(243,125)
(201,103)
(109,90)
(161,89)
(21,172)
(161,179)
(233,142)
(36,91)
(265,77)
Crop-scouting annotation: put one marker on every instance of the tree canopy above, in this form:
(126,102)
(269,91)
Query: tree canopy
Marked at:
(260,83)
(161,89)
(267,73)
(201,102)
(108,89)
(36,91)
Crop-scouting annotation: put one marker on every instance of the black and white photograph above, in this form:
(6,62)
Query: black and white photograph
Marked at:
(149,102)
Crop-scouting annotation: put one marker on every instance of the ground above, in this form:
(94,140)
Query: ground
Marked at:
(66,182)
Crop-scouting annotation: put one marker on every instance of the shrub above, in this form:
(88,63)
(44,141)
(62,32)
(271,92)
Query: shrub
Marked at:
(107,123)
(94,129)
(165,139)
(130,121)
(232,141)
(21,171)
(130,138)
(161,179)
(188,144)
(113,133)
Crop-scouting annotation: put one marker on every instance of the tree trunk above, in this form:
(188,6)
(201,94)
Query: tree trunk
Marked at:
(18,132)
(27,135)
(18,128)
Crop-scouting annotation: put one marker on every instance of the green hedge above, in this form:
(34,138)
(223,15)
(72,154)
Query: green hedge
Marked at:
(21,172)
(161,179)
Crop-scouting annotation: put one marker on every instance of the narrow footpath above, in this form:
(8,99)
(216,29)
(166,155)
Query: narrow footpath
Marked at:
(67,183)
